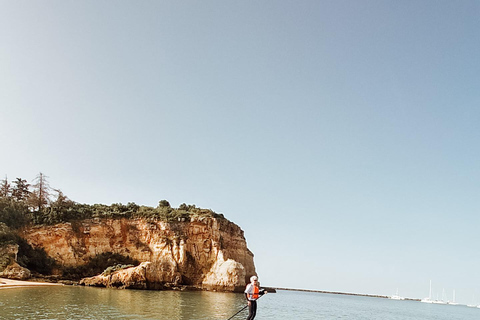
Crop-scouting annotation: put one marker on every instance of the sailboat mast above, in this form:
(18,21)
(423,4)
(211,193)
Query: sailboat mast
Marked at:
(430,294)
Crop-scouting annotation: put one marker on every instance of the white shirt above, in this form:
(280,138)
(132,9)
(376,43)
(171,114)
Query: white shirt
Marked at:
(250,291)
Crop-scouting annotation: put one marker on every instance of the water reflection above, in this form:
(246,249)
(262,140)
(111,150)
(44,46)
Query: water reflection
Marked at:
(141,304)
(209,305)
(173,304)
(58,303)
(223,305)
(96,303)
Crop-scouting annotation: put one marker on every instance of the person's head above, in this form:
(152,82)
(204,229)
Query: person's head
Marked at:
(253,279)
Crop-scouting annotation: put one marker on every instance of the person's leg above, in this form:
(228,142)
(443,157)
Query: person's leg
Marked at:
(249,311)
(252,310)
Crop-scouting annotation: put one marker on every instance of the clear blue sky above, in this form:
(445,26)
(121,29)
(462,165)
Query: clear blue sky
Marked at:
(342,136)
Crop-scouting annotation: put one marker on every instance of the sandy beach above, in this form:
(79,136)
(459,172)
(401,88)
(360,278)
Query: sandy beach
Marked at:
(8,283)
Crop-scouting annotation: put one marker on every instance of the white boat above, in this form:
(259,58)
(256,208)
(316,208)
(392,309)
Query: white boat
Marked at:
(443,301)
(396,297)
(438,301)
(429,299)
(453,303)
(473,305)
(426,300)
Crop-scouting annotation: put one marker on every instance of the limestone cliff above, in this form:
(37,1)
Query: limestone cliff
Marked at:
(9,268)
(206,252)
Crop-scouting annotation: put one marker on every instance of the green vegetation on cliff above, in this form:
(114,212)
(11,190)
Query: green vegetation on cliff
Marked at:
(24,204)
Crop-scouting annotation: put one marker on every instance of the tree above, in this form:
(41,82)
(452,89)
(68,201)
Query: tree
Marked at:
(5,188)
(163,204)
(40,196)
(62,202)
(20,190)
(58,209)
(13,213)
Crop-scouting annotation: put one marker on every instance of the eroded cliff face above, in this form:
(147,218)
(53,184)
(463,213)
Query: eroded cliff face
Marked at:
(206,252)
(9,268)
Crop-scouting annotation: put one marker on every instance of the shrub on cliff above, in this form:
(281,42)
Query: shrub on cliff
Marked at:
(114,268)
(164,204)
(13,213)
(7,236)
(20,206)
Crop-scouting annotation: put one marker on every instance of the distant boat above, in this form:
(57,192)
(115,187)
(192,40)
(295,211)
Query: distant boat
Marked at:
(396,296)
(453,303)
(438,301)
(426,300)
(429,299)
(473,305)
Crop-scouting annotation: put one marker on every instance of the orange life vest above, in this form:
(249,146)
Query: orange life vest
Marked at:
(254,296)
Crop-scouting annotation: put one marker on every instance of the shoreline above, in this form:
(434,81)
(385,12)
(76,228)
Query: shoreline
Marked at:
(342,293)
(9,283)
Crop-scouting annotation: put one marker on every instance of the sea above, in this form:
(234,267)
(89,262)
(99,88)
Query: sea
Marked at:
(77,302)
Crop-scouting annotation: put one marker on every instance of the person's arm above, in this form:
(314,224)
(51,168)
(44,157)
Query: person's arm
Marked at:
(247,292)
(246,297)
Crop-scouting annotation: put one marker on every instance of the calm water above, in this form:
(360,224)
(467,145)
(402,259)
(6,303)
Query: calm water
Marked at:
(94,303)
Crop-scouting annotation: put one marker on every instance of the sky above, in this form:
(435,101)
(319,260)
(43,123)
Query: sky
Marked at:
(341,136)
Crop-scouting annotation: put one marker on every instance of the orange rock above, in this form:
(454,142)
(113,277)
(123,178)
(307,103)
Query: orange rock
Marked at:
(205,252)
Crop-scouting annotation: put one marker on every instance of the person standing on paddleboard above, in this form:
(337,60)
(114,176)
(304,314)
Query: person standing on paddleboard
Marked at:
(252,293)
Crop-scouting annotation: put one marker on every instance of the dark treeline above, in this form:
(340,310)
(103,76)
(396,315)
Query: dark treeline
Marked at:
(23,204)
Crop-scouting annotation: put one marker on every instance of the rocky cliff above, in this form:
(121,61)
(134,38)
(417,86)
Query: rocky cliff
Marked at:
(9,268)
(206,252)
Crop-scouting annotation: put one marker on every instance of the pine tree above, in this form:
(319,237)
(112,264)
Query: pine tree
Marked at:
(62,201)
(20,190)
(5,189)
(40,196)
